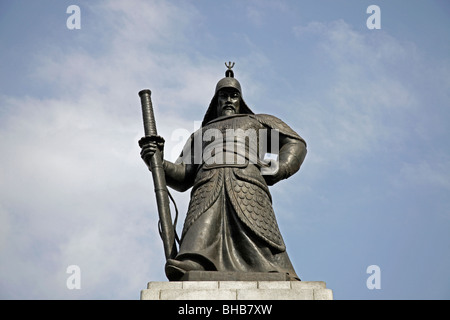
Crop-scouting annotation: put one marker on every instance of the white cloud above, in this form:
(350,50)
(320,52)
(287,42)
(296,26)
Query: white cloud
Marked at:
(73,187)
(74,191)
(259,11)
(352,114)
(381,116)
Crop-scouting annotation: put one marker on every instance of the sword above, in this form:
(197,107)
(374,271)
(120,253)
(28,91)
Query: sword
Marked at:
(167,231)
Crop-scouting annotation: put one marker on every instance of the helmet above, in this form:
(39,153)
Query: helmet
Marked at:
(228,82)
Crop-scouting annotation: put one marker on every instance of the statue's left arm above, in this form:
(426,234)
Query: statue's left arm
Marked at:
(292,149)
(290,158)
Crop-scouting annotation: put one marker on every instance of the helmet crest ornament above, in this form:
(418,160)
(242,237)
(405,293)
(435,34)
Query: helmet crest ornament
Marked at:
(229,72)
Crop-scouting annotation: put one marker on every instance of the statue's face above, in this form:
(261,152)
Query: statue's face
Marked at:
(228,102)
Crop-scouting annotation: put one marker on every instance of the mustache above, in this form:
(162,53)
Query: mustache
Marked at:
(228,105)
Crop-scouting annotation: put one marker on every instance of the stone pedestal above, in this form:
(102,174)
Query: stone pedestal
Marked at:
(250,288)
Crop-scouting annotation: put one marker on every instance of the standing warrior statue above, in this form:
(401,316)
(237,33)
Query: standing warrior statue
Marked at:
(230,224)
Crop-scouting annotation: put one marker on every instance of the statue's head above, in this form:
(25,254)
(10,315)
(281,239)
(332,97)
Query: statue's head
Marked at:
(227,98)
(228,102)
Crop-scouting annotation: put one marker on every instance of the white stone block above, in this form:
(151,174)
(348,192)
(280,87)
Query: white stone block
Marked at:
(165,285)
(198,294)
(323,294)
(274,294)
(150,294)
(200,285)
(238,285)
(308,285)
(274,284)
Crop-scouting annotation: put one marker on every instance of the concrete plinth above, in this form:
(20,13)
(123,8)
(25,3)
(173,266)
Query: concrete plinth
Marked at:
(237,290)
(233,276)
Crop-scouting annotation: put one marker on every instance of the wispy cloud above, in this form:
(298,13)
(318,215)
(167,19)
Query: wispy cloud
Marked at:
(73,187)
(362,97)
(259,12)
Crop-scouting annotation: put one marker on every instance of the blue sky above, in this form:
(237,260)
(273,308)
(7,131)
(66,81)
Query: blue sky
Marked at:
(373,106)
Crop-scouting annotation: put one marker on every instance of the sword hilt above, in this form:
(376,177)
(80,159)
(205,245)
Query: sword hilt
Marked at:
(147,113)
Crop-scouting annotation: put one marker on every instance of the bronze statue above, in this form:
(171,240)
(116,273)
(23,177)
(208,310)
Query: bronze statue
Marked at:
(230,224)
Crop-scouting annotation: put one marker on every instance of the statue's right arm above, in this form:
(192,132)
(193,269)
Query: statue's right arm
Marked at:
(179,176)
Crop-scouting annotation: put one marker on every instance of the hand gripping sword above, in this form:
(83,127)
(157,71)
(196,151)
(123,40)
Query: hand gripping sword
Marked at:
(167,230)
